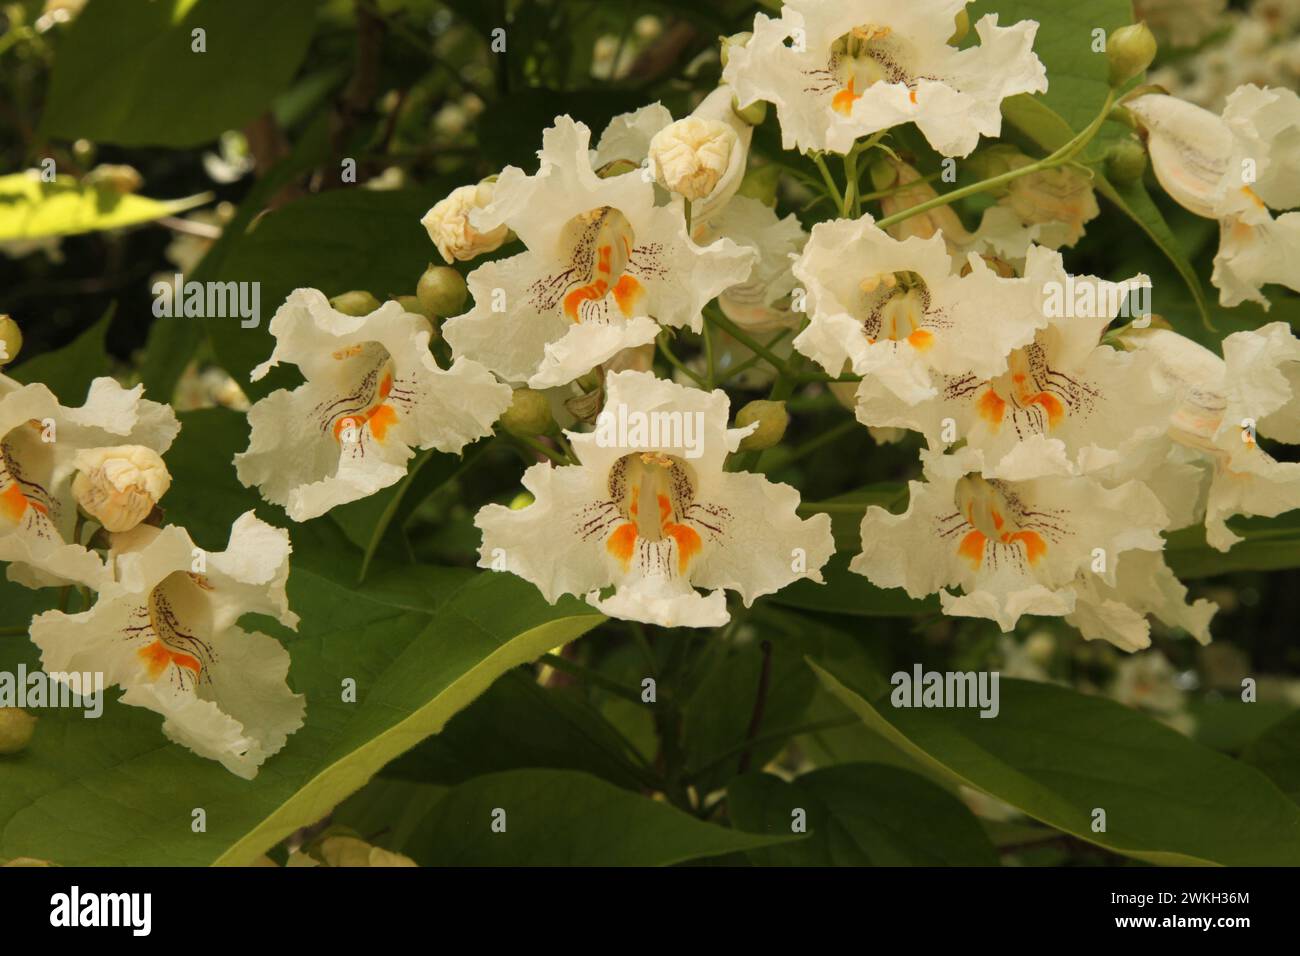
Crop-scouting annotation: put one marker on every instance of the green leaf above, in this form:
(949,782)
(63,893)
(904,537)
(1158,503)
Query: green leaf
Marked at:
(127,72)
(1057,755)
(1270,544)
(860,814)
(565,818)
(68,371)
(420,642)
(336,242)
(848,593)
(1276,753)
(33,209)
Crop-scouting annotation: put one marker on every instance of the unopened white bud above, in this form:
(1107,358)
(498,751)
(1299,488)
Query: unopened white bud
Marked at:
(119,486)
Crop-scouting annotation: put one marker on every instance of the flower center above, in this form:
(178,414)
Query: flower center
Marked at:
(896,306)
(866,55)
(993,516)
(26,461)
(172,629)
(370,407)
(653,493)
(601,241)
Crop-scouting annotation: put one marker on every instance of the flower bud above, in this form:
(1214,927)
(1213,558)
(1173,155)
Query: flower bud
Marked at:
(115,178)
(442,291)
(11,340)
(529,414)
(351,851)
(354,303)
(1130,50)
(521,501)
(1126,161)
(413,305)
(772,420)
(16,729)
(736,39)
(753,114)
(119,486)
(449,227)
(691,155)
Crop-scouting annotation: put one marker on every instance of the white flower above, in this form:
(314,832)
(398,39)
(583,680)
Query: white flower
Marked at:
(762,302)
(39,443)
(899,312)
(837,70)
(1064,385)
(1234,168)
(119,486)
(603,265)
(1225,404)
(372,393)
(690,156)
(1144,585)
(167,634)
(1013,538)
(655,515)
(448,224)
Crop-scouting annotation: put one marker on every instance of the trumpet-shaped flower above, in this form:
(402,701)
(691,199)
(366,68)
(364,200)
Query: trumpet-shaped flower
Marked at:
(165,631)
(900,313)
(651,512)
(603,265)
(837,70)
(1013,538)
(42,446)
(1234,168)
(1144,585)
(372,393)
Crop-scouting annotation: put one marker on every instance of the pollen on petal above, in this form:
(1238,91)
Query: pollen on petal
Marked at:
(972,548)
(622,542)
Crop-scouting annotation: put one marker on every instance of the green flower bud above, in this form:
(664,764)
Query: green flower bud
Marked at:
(521,501)
(961,23)
(116,178)
(354,303)
(1126,161)
(442,291)
(1130,50)
(16,729)
(529,414)
(883,175)
(736,39)
(412,304)
(760,183)
(753,114)
(772,420)
(11,340)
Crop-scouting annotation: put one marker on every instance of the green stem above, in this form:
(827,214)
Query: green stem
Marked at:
(1063,155)
(675,362)
(753,359)
(744,338)
(764,739)
(532,444)
(831,189)
(589,676)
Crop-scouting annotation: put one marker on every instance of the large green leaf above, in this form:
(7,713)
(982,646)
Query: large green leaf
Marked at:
(565,818)
(1058,755)
(68,371)
(848,593)
(127,72)
(859,814)
(33,209)
(336,241)
(1269,544)
(1276,752)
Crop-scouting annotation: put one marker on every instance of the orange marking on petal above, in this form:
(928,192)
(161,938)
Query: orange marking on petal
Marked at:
(1253,197)
(1052,405)
(382,419)
(158,657)
(688,543)
(386,386)
(911,95)
(592,292)
(997,519)
(921,339)
(1035,546)
(604,254)
(621,542)
(991,408)
(627,293)
(14,504)
(844,99)
(665,508)
(972,548)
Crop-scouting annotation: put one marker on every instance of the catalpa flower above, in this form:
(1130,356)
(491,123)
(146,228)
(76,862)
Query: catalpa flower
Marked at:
(372,393)
(1013,537)
(1224,406)
(1144,585)
(1098,401)
(651,512)
(1234,168)
(43,447)
(604,268)
(166,632)
(837,70)
(900,313)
